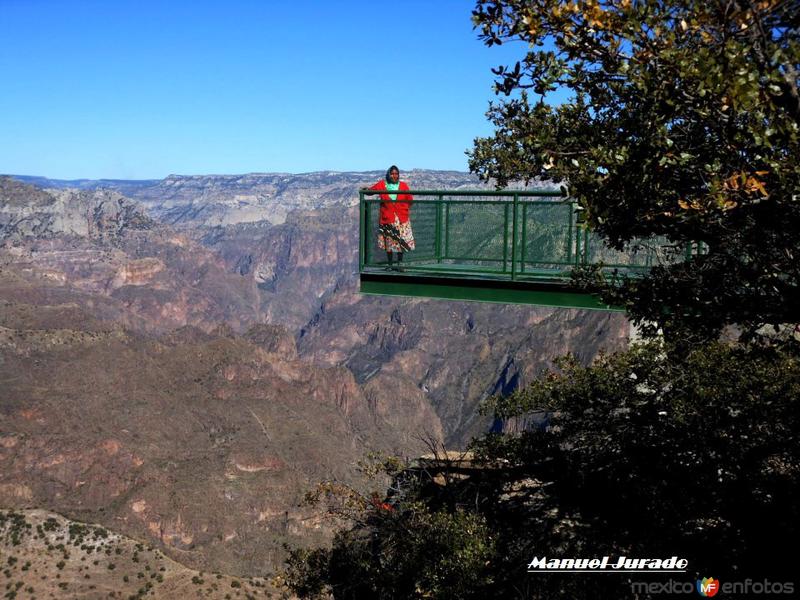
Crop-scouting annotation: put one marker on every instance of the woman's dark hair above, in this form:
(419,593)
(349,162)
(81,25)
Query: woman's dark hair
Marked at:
(389,172)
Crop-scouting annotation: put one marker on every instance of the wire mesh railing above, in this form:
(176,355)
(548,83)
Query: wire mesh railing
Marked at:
(516,235)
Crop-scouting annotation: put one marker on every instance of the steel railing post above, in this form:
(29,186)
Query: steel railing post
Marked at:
(438,228)
(447,230)
(585,257)
(577,238)
(362,231)
(514,238)
(505,237)
(523,251)
(571,218)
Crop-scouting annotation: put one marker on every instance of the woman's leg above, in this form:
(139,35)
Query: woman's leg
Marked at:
(389,258)
(399,260)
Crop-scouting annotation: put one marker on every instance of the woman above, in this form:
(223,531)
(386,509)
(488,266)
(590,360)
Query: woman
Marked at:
(394,227)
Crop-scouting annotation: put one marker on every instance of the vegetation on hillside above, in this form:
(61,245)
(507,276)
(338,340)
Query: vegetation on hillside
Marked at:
(45,555)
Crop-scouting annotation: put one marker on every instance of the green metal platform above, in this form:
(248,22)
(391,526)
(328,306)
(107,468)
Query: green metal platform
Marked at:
(497,246)
(479,290)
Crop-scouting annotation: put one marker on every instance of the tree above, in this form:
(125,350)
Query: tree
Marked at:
(405,546)
(684,122)
(644,454)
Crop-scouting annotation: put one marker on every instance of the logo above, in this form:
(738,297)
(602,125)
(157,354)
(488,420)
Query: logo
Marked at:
(707,586)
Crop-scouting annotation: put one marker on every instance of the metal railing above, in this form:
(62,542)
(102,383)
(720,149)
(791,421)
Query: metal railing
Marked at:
(510,234)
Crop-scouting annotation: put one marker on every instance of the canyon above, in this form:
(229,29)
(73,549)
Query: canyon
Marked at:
(182,360)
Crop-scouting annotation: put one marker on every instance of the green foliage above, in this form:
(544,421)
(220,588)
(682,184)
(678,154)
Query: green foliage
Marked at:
(683,122)
(397,547)
(308,572)
(647,455)
(405,552)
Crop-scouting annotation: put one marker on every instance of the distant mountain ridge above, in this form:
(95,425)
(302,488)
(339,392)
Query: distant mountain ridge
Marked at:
(247,180)
(190,201)
(124,186)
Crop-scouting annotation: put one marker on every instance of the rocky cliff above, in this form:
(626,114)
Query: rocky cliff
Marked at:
(456,353)
(101,215)
(202,443)
(102,243)
(295,265)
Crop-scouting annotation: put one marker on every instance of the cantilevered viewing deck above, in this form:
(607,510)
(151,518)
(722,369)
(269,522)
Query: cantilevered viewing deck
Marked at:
(496,246)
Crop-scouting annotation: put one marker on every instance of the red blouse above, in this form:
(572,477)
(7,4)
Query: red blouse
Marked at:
(391,208)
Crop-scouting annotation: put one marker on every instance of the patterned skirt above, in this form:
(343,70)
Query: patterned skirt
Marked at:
(396,237)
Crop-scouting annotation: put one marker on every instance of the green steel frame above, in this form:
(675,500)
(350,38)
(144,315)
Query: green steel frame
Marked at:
(525,255)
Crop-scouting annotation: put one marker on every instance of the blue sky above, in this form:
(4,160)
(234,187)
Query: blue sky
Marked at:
(135,90)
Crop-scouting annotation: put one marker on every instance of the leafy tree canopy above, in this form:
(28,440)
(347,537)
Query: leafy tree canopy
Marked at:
(397,547)
(683,122)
